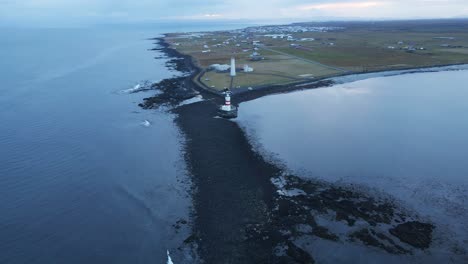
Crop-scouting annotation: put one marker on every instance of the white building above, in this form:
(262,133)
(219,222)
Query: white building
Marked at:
(219,67)
(247,68)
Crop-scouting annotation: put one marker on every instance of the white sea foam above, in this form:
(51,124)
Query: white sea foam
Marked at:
(169,259)
(146,123)
(143,86)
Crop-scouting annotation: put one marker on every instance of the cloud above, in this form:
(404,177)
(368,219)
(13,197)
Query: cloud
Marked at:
(341,5)
(98,11)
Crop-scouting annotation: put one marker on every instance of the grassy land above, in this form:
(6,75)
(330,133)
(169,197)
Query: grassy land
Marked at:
(359,47)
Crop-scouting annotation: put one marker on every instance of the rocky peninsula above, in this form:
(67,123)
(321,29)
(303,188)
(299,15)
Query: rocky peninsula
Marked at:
(249,210)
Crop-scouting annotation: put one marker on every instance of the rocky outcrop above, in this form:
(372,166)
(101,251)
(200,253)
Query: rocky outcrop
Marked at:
(417,234)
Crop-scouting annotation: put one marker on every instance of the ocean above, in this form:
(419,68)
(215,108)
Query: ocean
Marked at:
(86,175)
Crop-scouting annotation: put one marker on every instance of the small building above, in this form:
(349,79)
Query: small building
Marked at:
(219,67)
(256,58)
(254,54)
(247,68)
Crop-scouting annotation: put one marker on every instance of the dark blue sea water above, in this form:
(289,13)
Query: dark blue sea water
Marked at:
(81,179)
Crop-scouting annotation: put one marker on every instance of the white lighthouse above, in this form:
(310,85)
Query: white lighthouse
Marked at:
(227,110)
(227,102)
(233,67)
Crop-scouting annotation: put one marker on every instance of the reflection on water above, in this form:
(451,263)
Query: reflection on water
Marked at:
(403,135)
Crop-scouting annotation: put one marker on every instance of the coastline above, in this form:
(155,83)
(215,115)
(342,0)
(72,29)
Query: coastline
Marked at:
(243,94)
(242,214)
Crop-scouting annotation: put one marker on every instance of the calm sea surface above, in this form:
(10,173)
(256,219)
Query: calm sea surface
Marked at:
(82,180)
(405,136)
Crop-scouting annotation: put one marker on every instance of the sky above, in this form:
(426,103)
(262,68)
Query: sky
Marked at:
(36,12)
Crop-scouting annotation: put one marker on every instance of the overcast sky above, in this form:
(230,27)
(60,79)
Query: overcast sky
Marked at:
(101,11)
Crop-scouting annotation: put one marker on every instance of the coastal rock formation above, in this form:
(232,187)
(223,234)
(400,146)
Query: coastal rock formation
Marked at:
(305,207)
(247,210)
(172,92)
(417,234)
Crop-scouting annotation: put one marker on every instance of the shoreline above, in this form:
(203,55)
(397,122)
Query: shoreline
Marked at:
(244,94)
(244,212)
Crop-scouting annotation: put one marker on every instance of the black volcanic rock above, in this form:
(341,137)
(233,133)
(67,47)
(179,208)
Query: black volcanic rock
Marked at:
(298,254)
(415,233)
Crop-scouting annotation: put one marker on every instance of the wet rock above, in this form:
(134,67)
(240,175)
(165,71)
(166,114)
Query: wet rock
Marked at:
(365,236)
(324,233)
(389,240)
(298,254)
(307,187)
(191,239)
(415,233)
(379,240)
(173,92)
(340,215)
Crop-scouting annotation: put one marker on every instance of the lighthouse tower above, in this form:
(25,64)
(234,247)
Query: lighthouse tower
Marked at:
(228,110)
(233,67)
(227,102)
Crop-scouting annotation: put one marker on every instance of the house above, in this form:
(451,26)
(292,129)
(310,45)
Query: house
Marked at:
(247,68)
(219,67)
(254,54)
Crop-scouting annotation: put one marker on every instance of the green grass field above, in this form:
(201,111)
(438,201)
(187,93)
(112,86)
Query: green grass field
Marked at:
(360,47)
